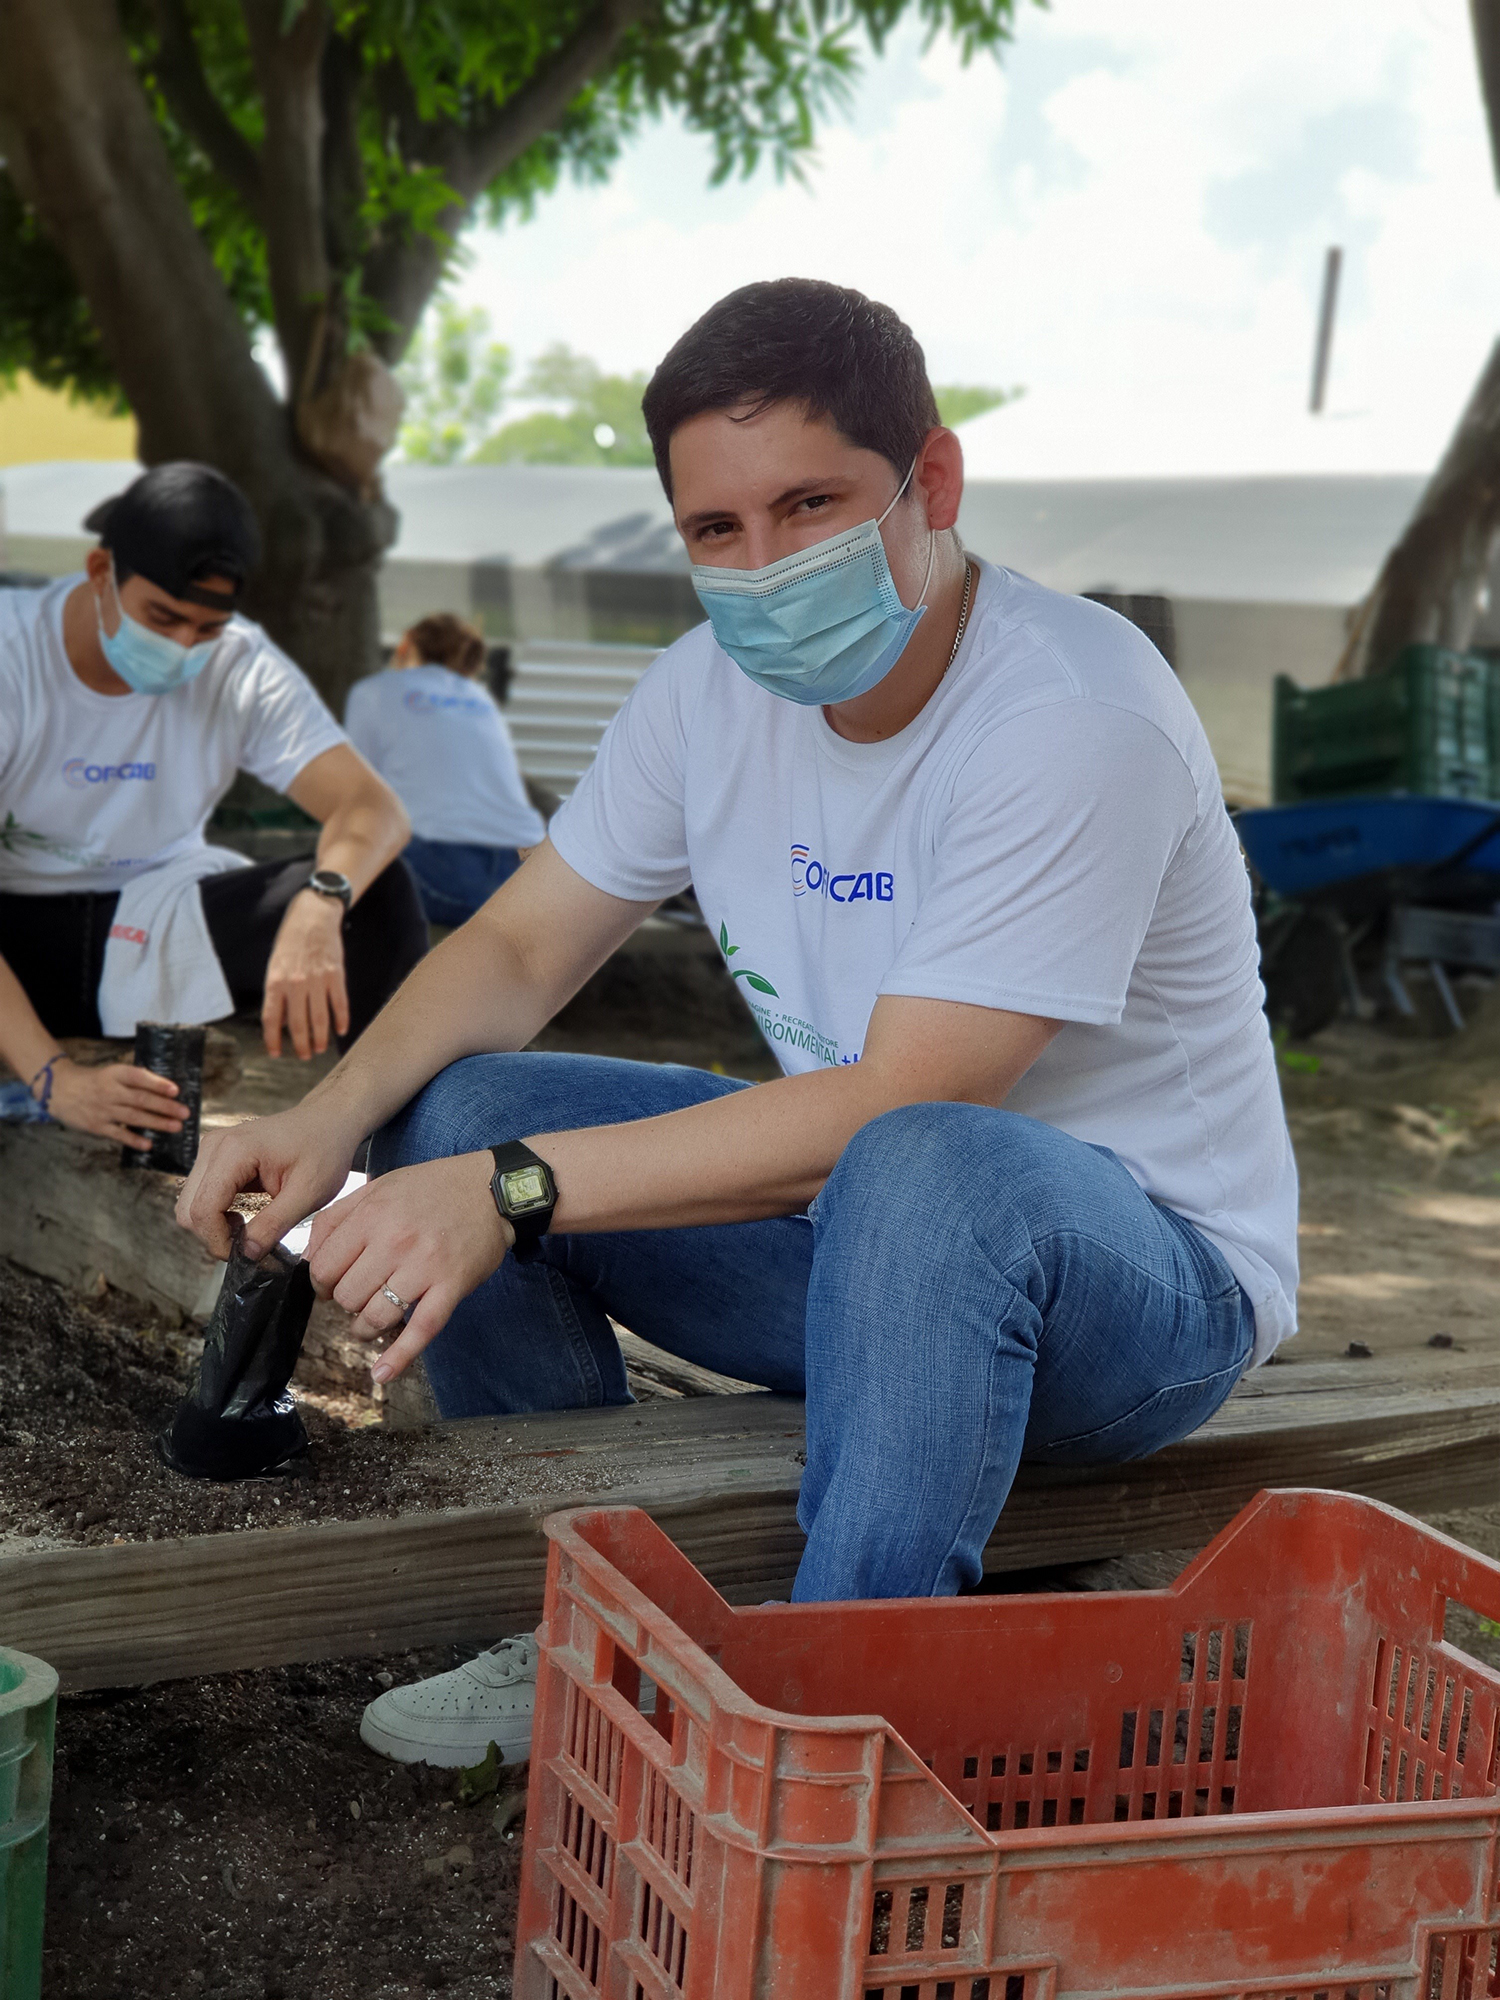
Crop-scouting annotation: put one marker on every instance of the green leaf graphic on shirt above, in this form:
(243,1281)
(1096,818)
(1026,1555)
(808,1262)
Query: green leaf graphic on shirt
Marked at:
(755,979)
(18,839)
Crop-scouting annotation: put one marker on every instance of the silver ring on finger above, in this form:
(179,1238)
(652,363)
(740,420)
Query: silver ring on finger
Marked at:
(398,1302)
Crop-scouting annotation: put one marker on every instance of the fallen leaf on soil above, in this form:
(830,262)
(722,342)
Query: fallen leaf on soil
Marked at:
(478,1781)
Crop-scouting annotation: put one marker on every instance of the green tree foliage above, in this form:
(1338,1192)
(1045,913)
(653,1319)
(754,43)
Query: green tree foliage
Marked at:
(45,325)
(428,113)
(597,419)
(455,379)
(454,376)
(956,403)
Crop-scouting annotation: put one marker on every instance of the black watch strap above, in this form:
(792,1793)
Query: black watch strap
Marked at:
(525,1194)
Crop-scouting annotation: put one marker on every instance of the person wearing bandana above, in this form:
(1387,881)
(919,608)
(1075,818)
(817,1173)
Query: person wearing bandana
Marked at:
(1024,1188)
(129,698)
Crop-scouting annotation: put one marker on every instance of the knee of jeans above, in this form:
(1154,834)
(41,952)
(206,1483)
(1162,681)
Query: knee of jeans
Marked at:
(906,1159)
(931,1168)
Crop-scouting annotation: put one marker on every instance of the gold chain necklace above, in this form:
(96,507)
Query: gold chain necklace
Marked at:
(963,612)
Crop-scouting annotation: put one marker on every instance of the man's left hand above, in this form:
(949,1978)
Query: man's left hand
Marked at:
(305,990)
(432,1233)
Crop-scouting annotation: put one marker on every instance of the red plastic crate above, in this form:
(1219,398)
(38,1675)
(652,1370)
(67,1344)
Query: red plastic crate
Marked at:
(1274,1779)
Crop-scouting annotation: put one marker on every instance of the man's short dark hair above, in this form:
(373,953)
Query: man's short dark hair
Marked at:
(840,355)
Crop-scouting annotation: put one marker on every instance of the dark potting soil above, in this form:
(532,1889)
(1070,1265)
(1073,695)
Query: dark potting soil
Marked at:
(84,1387)
(232,1838)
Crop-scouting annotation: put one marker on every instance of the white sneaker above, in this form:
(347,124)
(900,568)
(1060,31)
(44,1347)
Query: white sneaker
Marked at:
(451,1719)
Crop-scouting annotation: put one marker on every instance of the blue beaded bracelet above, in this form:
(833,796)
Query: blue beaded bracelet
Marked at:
(45,1100)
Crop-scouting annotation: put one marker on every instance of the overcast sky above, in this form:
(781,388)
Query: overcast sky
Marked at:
(1128,215)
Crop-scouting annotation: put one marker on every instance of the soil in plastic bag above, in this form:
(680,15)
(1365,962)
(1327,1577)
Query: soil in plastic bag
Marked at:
(240,1419)
(167,1049)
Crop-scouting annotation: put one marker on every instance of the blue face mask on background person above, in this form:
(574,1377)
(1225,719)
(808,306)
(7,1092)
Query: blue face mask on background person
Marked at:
(148,661)
(823,625)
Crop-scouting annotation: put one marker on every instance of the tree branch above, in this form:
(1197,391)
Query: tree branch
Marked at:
(400,276)
(193,104)
(500,140)
(1485,16)
(288,65)
(343,163)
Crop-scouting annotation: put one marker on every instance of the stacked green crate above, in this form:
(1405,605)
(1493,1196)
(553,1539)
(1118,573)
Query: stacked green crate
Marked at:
(1430,726)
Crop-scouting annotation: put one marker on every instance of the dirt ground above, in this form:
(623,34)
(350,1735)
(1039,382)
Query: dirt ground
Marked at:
(1398,1145)
(233,1838)
(205,1834)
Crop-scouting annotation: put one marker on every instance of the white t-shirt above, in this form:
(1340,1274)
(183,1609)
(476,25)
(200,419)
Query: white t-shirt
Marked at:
(1047,836)
(441,744)
(96,787)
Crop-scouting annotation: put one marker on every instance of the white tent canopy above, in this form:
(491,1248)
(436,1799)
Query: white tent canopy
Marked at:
(1306,539)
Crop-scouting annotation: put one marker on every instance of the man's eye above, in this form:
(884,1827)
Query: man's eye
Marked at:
(715,531)
(815,502)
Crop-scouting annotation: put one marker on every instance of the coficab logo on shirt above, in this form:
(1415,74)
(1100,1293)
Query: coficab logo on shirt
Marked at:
(80,774)
(420,702)
(860,885)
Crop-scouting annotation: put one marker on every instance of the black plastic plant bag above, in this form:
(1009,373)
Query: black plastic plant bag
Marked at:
(240,1419)
(169,1050)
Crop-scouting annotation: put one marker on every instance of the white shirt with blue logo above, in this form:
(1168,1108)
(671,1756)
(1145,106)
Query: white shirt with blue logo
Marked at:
(1048,836)
(96,787)
(441,744)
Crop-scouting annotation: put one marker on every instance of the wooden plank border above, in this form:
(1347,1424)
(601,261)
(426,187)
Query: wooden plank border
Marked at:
(721,1475)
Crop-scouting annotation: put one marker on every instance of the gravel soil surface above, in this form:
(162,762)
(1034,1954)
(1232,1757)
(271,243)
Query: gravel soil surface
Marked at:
(84,1388)
(232,1838)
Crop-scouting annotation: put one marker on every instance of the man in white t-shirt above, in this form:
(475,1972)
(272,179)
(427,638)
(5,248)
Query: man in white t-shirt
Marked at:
(129,698)
(1025,1187)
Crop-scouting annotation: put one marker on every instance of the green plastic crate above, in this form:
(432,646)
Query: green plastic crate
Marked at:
(1425,727)
(28,1712)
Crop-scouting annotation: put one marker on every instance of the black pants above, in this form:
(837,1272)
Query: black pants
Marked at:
(55,944)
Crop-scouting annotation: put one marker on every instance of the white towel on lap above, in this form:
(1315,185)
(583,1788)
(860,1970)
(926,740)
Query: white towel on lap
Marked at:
(159,962)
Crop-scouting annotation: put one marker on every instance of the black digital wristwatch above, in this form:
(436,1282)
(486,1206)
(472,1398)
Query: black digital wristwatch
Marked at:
(525,1194)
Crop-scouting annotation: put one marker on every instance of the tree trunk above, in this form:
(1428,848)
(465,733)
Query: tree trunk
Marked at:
(1431,585)
(81,144)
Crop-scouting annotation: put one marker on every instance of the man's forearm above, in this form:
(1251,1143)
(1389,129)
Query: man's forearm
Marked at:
(361,840)
(759,1152)
(768,1151)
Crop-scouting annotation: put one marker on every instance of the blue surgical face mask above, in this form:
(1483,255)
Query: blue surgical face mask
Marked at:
(823,625)
(148,661)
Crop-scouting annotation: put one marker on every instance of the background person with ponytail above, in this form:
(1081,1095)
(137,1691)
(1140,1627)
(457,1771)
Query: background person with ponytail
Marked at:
(436,735)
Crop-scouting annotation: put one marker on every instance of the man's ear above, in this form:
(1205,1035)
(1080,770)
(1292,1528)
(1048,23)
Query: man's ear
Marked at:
(940,477)
(96,565)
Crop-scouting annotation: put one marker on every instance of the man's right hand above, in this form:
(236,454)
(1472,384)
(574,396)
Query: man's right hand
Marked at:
(293,1157)
(113,1099)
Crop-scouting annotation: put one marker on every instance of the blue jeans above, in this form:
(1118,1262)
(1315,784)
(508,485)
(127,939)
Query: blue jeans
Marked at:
(454,877)
(971,1287)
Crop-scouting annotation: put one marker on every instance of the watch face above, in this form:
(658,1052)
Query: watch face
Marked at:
(524,1188)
